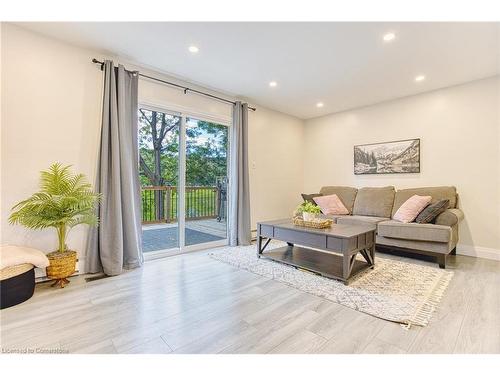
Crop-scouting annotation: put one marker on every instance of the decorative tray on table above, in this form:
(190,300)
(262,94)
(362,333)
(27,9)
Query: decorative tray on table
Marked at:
(316,223)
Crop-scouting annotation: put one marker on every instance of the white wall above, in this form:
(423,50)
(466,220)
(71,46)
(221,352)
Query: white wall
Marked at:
(51,106)
(51,100)
(459,132)
(276,165)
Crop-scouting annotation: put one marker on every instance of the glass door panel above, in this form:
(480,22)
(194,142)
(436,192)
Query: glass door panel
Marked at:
(159,136)
(206,182)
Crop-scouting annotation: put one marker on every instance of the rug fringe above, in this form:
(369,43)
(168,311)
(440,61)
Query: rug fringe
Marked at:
(424,313)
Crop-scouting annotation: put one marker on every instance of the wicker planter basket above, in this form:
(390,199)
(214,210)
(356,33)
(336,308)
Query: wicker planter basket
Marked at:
(62,265)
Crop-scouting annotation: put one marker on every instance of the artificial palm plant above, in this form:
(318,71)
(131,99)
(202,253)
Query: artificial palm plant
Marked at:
(64,201)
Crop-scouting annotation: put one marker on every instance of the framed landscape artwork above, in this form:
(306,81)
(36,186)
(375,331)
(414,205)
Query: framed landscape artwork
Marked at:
(388,157)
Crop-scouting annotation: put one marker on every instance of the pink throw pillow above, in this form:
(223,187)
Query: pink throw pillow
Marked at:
(410,209)
(331,205)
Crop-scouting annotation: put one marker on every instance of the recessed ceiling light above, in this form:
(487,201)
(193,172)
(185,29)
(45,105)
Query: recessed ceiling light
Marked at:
(389,37)
(273,84)
(419,78)
(320,104)
(193,49)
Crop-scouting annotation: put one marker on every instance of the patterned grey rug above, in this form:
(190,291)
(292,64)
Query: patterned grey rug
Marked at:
(396,291)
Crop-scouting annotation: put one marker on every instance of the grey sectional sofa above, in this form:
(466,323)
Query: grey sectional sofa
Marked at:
(376,206)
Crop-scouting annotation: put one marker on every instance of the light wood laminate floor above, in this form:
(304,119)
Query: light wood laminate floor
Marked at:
(194,304)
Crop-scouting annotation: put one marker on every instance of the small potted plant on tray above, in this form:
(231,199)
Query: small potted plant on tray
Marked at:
(308,210)
(64,201)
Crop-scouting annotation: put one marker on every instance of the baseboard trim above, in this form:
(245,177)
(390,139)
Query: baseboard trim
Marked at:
(467,250)
(478,252)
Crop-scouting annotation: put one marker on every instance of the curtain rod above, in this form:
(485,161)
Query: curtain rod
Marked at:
(184,88)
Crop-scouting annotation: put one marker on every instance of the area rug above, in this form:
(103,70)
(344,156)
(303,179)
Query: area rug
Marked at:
(396,291)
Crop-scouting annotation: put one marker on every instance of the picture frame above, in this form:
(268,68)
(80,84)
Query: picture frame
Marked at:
(394,157)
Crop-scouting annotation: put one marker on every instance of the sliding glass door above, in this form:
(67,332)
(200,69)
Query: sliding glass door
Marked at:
(159,139)
(206,181)
(183,170)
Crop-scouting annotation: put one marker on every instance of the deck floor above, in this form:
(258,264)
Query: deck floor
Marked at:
(166,236)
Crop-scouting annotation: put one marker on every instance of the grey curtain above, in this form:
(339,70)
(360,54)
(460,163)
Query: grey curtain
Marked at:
(116,244)
(239,208)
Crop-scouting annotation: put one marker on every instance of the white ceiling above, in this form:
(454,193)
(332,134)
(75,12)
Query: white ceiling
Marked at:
(343,65)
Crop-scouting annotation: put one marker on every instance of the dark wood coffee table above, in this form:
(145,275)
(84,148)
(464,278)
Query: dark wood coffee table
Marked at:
(330,252)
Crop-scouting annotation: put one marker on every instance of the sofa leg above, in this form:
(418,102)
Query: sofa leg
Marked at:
(454,251)
(441,259)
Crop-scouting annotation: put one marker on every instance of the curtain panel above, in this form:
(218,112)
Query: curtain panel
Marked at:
(239,208)
(116,244)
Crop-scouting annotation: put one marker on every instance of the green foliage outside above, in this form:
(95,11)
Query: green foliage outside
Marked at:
(206,162)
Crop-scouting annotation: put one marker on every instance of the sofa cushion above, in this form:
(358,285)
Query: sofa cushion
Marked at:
(430,246)
(331,205)
(374,201)
(437,193)
(361,220)
(345,193)
(414,231)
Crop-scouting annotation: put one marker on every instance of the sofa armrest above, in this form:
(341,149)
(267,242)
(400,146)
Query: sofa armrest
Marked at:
(450,217)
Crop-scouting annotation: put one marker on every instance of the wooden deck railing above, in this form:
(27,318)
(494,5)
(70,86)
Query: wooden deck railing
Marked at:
(160,203)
